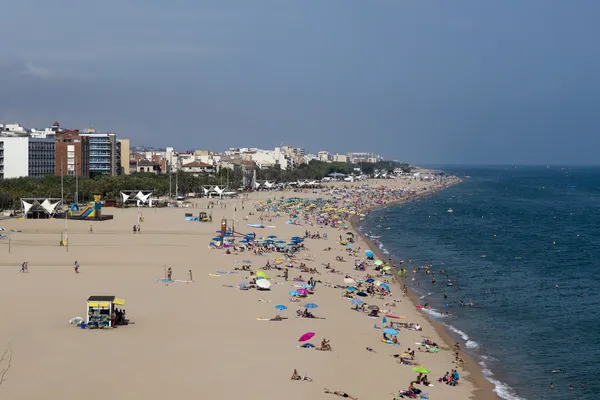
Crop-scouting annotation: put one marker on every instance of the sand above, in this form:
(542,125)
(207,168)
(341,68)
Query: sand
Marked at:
(199,338)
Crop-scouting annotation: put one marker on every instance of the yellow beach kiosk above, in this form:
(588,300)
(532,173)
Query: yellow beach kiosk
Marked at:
(100,311)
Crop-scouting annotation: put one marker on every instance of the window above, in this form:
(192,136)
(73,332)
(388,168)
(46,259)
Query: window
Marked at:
(70,147)
(71,154)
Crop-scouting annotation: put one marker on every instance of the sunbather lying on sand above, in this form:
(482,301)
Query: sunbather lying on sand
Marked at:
(296,377)
(340,393)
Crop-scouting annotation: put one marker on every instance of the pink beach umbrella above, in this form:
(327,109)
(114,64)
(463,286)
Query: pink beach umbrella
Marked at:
(306,336)
(302,292)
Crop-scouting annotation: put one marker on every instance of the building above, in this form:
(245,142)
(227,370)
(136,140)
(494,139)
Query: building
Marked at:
(324,156)
(342,158)
(14,157)
(42,160)
(125,154)
(104,157)
(198,167)
(72,154)
(148,166)
(22,156)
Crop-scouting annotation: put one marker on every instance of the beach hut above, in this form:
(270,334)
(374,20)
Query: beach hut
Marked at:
(100,310)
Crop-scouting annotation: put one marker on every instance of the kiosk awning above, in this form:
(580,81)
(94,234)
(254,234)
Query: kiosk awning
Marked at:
(119,302)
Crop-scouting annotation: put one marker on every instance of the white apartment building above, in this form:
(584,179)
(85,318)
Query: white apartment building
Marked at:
(14,157)
(324,156)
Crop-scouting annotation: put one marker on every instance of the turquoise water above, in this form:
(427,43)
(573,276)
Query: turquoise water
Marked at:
(513,236)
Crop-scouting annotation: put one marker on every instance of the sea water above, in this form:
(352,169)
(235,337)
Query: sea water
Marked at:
(523,245)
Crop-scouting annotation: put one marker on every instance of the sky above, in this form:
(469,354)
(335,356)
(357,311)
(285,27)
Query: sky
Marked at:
(444,82)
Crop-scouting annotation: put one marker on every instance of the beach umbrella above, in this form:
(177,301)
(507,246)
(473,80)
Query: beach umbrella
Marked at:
(218,239)
(378,262)
(362,294)
(263,284)
(293,293)
(280,307)
(390,331)
(349,281)
(369,254)
(310,305)
(262,275)
(357,302)
(374,308)
(243,241)
(280,241)
(349,246)
(352,289)
(306,336)
(421,370)
(370,280)
(387,268)
(302,292)
(385,286)
(272,237)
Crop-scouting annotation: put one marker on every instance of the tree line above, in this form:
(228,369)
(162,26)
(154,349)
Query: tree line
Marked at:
(109,187)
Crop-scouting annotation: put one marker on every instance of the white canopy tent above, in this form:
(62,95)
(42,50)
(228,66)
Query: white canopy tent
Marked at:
(48,205)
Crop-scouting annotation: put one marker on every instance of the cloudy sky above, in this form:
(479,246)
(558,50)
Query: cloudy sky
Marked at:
(512,81)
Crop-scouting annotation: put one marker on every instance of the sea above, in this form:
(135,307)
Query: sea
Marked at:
(522,245)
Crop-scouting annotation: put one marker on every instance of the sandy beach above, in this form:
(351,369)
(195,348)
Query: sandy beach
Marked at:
(203,337)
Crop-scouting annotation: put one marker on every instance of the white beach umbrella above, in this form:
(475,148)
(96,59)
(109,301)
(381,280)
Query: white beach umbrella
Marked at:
(349,281)
(263,284)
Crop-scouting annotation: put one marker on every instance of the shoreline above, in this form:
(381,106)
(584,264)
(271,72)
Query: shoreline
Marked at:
(484,389)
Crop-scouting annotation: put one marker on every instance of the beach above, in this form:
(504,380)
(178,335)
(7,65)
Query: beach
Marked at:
(205,337)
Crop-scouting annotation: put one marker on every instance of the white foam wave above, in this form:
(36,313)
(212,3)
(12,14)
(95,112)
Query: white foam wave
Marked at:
(500,388)
(434,313)
(460,333)
(471,344)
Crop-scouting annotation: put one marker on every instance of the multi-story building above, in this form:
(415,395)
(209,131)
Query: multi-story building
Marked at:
(42,157)
(324,156)
(22,156)
(72,154)
(104,157)
(15,156)
(125,154)
(340,158)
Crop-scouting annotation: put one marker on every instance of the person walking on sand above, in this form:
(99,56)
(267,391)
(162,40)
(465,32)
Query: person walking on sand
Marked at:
(169,273)
(22,268)
(91,229)
(191,277)
(76,267)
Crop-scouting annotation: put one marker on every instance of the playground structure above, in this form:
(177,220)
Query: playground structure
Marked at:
(139,197)
(36,207)
(92,211)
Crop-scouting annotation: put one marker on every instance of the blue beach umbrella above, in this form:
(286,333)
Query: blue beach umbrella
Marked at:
(352,289)
(218,239)
(370,280)
(243,241)
(357,302)
(390,331)
(293,293)
(310,305)
(280,241)
(272,237)
(349,246)
(281,307)
(385,286)
(369,254)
